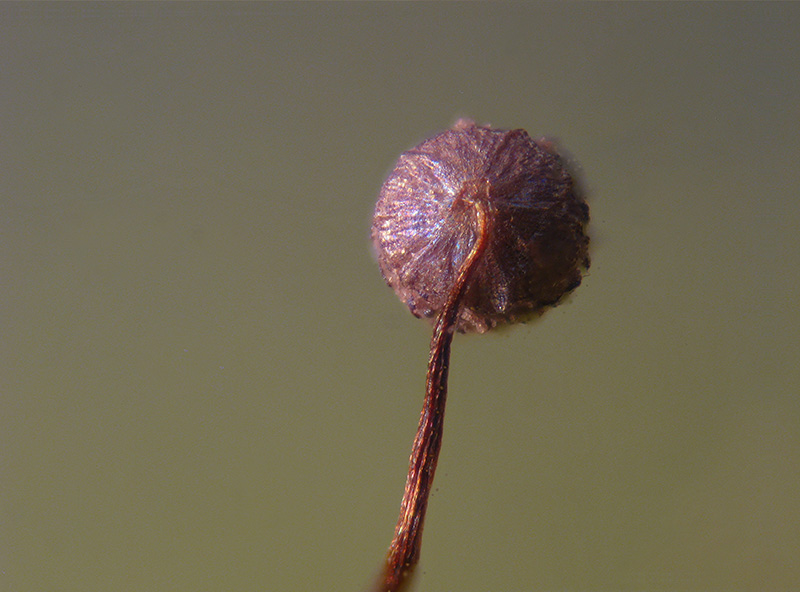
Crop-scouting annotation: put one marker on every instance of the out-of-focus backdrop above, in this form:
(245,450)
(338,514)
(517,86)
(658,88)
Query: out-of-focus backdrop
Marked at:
(207,386)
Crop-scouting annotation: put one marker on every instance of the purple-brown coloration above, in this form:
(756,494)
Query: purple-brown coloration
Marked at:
(424,225)
(477,227)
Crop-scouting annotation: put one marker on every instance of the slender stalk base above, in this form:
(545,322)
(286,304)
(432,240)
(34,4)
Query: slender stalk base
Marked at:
(404,551)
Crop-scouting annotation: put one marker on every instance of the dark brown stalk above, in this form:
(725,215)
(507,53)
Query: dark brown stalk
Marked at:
(404,551)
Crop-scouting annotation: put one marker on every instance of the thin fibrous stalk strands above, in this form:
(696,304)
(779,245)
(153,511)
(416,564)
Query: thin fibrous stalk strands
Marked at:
(404,551)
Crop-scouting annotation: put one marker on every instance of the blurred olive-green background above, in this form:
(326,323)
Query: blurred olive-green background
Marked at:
(206,385)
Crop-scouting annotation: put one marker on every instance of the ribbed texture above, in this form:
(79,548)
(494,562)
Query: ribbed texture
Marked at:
(425,225)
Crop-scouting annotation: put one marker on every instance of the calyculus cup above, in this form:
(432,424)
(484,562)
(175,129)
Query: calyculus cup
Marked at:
(425,225)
